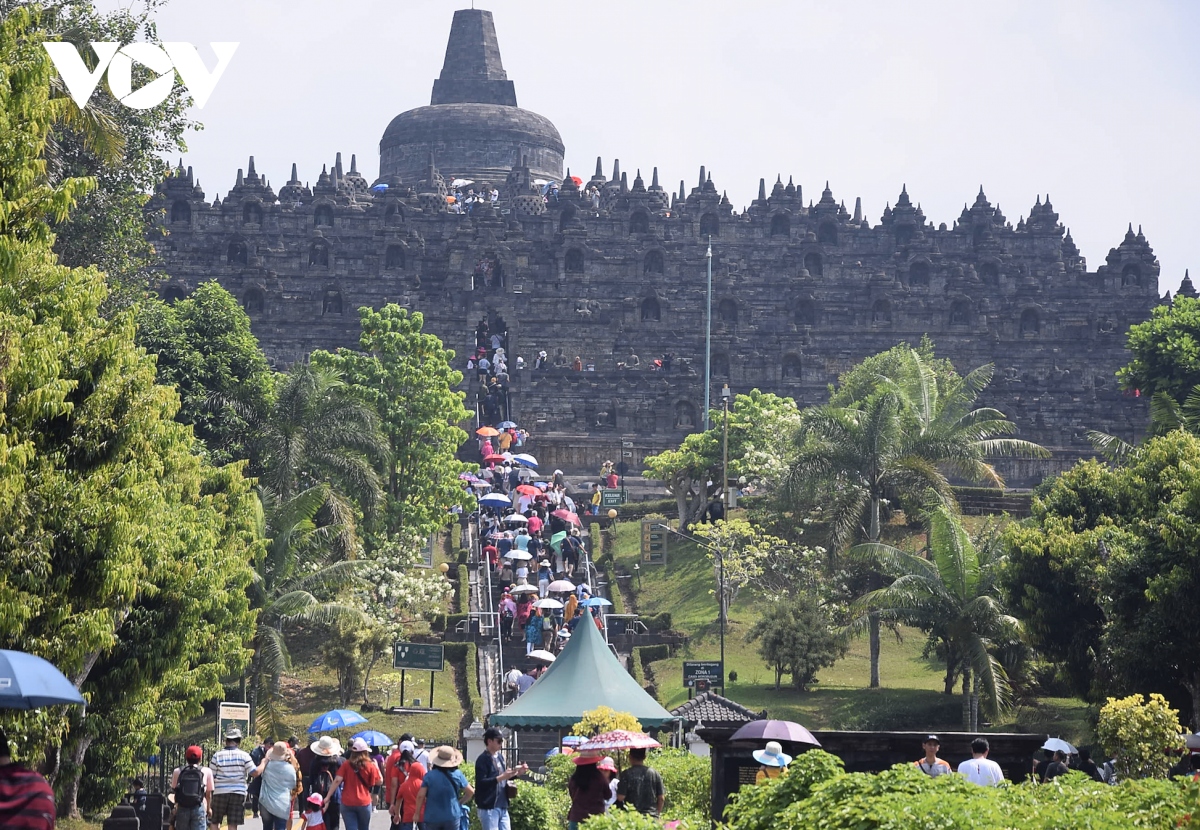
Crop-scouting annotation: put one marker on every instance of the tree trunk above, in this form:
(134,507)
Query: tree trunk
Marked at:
(873,621)
(1194,689)
(778,676)
(68,804)
(966,693)
(975,703)
(950,672)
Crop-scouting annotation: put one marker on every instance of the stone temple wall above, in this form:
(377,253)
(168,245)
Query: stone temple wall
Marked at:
(800,293)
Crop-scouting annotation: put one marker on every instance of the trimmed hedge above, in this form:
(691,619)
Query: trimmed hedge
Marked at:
(446,622)
(652,654)
(463,592)
(466,655)
(657,622)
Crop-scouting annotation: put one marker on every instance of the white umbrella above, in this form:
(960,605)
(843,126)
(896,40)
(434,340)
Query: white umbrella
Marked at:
(461,182)
(1059,745)
(518,554)
(516,518)
(548,603)
(541,654)
(562,585)
(540,182)
(524,589)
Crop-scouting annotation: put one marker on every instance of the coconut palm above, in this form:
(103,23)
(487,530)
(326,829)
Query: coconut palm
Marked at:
(953,594)
(305,566)
(903,442)
(318,432)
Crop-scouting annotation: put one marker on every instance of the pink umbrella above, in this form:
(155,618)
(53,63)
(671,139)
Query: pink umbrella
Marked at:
(567,516)
(618,739)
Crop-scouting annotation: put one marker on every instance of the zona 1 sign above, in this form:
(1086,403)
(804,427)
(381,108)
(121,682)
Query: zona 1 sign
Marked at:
(706,671)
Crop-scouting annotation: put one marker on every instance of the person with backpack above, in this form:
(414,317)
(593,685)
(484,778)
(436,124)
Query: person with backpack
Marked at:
(444,791)
(279,781)
(359,774)
(404,810)
(192,786)
(327,760)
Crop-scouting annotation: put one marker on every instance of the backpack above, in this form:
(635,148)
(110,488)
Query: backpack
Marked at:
(189,790)
(322,781)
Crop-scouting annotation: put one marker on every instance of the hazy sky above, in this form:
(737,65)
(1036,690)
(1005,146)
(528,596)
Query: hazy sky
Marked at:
(1092,102)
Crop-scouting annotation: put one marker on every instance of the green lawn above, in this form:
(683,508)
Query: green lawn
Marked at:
(911,697)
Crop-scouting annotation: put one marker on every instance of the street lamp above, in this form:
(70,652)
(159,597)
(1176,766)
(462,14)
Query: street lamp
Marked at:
(708,338)
(725,450)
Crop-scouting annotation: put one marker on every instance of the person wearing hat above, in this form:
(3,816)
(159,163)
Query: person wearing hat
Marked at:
(543,577)
(773,759)
(444,791)
(357,775)
(314,819)
(231,767)
(279,782)
(608,766)
(932,765)
(491,777)
(404,808)
(589,790)
(192,816)
(327,760)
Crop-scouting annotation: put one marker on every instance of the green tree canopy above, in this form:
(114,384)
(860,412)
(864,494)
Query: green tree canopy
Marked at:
(206,350)
(1166,351)
(124,558)
(760,426)
(796,636)
(1106,572)
(405,376)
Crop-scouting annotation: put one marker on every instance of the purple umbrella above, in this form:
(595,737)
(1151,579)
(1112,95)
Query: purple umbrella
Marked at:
(775,730)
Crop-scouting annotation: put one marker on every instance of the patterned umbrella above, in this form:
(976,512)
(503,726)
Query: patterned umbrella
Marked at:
(618,739)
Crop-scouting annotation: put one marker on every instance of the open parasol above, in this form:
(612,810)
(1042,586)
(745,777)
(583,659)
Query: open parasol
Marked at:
(775,730)
(561,585)
(541,655)
(487,432)
(618,739)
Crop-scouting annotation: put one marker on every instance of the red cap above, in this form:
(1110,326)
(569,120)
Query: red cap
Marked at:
(193,754)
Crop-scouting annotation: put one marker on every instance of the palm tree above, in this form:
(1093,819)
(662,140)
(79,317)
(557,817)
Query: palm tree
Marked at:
(902,442)
(953,594)
(305,566)
(318,432)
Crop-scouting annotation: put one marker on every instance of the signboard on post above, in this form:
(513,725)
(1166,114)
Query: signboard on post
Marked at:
(696,672)
(612,498)
(419,656)
(232,716)
(654,542)
(427,552)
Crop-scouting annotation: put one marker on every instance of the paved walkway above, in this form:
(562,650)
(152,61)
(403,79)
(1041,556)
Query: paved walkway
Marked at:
(379,821)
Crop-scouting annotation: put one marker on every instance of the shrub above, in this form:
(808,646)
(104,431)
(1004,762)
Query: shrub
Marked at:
(465,655)
(687,779)
(759,807)
(656,623)
(463,593)
(651,654)
(631,820)
(603,719)
(1139,735)
(538,808)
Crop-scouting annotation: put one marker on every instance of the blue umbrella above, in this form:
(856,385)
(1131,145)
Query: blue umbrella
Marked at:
(29,682)
(373,738)
(525,460)
(379,188)
(335,719)
(595,602)
(495,500)
(507,425)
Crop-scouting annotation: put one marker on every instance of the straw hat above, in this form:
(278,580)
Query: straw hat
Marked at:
(279,751)
(772,756)
(328,746)
(446,756)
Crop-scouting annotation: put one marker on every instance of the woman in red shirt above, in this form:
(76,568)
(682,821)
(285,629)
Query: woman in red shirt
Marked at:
(358,775)
(404,812)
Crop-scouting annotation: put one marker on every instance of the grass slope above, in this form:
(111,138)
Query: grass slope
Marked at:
(911,697)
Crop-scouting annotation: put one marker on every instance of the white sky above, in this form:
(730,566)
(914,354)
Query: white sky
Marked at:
(1093,102)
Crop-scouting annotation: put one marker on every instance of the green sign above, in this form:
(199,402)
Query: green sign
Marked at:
(612,498)
(654,542)
(706,671)
(232,716)
(421,656)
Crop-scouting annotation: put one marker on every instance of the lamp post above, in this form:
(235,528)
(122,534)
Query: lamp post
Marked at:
(720,555)
(725,449)
(708,337)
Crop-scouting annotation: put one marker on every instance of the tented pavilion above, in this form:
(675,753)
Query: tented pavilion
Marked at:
(586,675)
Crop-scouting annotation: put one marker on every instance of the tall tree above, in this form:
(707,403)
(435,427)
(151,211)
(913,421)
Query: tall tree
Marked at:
(796,636)
(902,443)
(205,349)
(760,426)
(124,556)
(404,375)
(952,593)
(1166,351)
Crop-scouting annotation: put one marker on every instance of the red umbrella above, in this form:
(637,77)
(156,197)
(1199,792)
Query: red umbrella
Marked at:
(618,739)
(528,490)
(578,181)
(494,457)
(567,516)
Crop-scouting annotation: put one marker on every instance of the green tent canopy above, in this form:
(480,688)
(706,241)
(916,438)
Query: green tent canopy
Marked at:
(586,675)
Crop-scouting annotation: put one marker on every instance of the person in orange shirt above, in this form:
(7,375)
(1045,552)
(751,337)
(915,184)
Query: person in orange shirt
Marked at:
(358,775)
(404,809)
